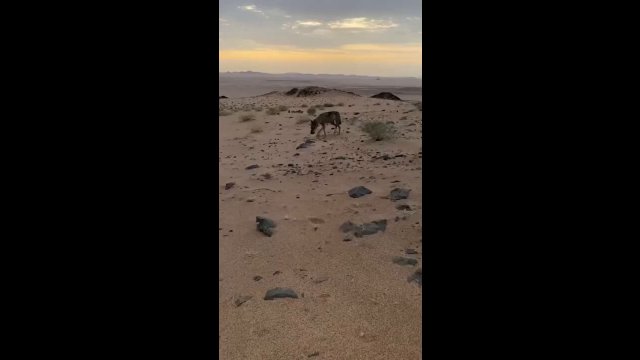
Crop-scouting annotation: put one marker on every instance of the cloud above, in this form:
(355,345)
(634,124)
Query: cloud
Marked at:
(362,23)
(308,23)
(254,9)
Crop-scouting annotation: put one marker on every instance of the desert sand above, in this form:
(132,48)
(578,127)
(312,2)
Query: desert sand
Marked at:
(354,301)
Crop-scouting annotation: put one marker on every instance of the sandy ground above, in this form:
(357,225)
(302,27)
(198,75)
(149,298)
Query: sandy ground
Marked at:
(354,301)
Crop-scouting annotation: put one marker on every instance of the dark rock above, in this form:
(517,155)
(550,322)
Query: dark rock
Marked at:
(416,277)
(403,207)
(279,293)
(265,225)
(222,97)
(359,191)
(370,228)
(257,278)
(348,226)
(386,96)
(252,167)
(404,261)
(303,145)
(292,91)
(242,299)
(398,194)
(320,279)
(277,272)
(228,186)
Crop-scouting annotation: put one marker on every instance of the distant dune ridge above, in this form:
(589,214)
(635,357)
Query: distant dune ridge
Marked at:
(247,84)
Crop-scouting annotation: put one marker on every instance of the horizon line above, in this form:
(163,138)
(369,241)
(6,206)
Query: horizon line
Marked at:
(298,73)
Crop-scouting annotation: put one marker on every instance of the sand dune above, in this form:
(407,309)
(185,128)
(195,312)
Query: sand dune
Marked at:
(358,294)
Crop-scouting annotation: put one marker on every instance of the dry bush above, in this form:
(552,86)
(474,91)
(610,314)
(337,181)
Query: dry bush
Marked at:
(378,130)
(257,108)
(328,105)
(247,117)
(302,119)
(256,129)
(340,104)
(273,111)
(311,111)
(304,106)
(283,108)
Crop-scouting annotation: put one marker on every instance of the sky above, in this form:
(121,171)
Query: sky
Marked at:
(351,37)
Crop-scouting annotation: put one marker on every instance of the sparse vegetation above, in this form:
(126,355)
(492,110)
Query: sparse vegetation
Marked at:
(283,108)
(247,117)
(320,107)
(256,129)
(328,105)
(352,121)
(378,130)
(311,111)
(302,119)
(257,108)
(304,106)
(224,112)
(340,104)
(273,111)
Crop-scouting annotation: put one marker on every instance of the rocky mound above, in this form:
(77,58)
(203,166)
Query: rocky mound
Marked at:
(386,96)
(292,92)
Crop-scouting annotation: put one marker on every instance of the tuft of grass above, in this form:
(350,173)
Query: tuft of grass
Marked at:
(378,130)
(247,117)
(311,111)
(273,111)
(224,112)
(256,129)
(302,119)
(283,108)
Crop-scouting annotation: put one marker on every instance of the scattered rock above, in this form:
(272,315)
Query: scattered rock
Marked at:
(359,191)
(320,279)
(277,272)
(404,261)
(279,293)
(257,278)
(398,194)
(242,299)
(403,207)
(265,225)
(252,167)
(229,185)
(410,251)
